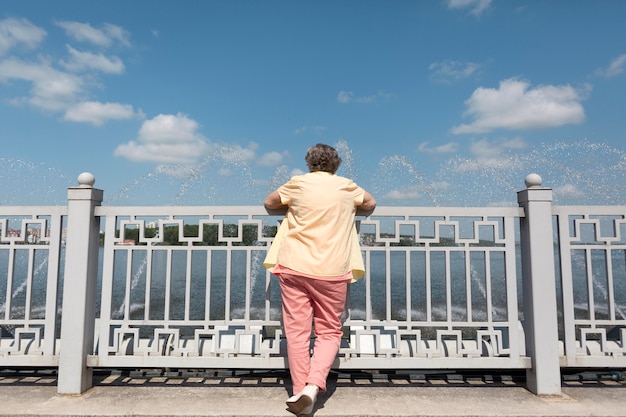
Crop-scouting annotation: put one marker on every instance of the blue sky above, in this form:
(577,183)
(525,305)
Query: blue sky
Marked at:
(448,102)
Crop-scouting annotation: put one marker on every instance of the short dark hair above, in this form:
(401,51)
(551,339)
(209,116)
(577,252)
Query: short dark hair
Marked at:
(321,157)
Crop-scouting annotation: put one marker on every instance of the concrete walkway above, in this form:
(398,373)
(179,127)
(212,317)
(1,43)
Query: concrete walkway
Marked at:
(240,393)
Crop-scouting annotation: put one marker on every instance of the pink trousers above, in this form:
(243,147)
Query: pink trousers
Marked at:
(306,300)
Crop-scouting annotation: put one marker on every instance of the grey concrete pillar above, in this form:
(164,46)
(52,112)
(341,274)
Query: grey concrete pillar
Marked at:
(79,287)
(539,288)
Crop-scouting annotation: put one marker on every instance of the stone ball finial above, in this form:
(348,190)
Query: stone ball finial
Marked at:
(86,180)
(533,181)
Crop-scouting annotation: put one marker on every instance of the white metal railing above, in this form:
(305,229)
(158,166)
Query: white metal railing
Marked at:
(445,287)
(190,303)
(428,299)
(592,253)
(30,264)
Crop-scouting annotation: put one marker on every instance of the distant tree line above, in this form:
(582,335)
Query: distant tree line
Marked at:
(210,234)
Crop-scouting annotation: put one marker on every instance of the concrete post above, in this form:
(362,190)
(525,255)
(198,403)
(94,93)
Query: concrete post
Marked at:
(539,288)
(79,287)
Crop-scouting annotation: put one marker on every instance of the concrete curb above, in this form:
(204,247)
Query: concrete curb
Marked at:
(236,394)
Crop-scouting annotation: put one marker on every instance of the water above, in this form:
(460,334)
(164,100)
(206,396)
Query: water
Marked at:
(209,183)
(28,183)
(580,173)
(20,288)
(190,295)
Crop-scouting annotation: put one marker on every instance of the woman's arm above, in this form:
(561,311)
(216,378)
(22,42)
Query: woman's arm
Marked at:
(272,201)
(369,202)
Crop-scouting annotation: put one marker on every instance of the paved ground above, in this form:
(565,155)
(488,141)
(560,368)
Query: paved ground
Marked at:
(243,393)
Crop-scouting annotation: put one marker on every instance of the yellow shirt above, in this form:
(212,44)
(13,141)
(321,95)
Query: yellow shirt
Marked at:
(320,223)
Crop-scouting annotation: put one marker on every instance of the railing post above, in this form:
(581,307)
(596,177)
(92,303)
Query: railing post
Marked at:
(539,288)
(79,286)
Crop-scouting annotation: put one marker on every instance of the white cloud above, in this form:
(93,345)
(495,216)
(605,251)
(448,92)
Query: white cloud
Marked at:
(51,89)
(345,97)
(417,191)
(489,155)
(404,193)
(446,148)
(477,7)
(166,139)
(105,37)
(449,71)
(174,140)
(98,113)
(514,105)
(57,88)
(271,159)
(14,32)
(80,61)
(163,153)
(166,128)
(485,148)
(568,190)
(235,153)
(117,33)
(615,68)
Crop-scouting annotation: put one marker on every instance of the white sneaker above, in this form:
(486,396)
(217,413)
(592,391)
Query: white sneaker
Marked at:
(303,402)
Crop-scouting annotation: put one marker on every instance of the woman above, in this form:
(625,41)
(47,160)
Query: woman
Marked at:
(313,267)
